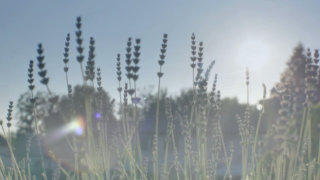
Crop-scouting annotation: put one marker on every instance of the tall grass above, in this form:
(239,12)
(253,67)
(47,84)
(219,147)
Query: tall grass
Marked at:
(204,153)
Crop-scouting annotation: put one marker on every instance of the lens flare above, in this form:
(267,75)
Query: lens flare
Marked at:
(97,115)
(75,126)
(78,131)
(56,138)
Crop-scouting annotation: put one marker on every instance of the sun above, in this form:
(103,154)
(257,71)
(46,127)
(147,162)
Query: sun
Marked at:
(253,52)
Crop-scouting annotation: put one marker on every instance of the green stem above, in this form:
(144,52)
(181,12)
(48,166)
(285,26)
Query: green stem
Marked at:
(256,136)
(155,163)
(304,119)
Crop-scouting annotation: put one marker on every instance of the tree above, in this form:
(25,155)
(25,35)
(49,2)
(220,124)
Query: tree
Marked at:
(231,108)
(55,114)
(70,107)
(25,112)
(182,104)
(147,126)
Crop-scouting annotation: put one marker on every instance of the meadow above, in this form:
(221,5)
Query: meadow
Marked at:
(86,134)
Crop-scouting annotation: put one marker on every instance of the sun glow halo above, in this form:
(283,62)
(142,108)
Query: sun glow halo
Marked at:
(254,53)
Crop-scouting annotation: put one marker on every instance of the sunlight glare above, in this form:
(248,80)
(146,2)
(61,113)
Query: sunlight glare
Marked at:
(254,53)
(75,126)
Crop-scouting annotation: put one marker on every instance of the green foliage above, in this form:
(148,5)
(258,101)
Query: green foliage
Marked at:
(230,109)
(315,120)
(26,123)
(68,108)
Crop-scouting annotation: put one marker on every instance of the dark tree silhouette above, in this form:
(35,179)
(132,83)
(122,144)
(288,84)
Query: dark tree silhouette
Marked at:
(26,123)
(70,107)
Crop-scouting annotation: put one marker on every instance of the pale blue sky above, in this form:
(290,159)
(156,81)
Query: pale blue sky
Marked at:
(257,34)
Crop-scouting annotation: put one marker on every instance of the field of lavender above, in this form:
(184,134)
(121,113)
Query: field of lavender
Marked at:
(86,134)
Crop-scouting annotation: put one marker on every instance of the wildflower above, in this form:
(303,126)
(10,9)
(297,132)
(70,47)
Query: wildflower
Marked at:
(9,114)
(69,90)
(99,88)
(200,58)
(129,60)
(119,73)
(90,63)
(218,99)
(43,72)
(136,54)
(311,76)
(80,49)
(207,74)
(130,91)
(125,96)
(193,51)
(66,53)
(136,100)
(66,61)
(199,64)
(284,112)
(130,68)
(160,74)
(162,54)
(79,40)
(30,76)
(54,99)
(213,91)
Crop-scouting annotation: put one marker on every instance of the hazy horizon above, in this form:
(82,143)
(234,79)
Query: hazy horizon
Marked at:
(237,34)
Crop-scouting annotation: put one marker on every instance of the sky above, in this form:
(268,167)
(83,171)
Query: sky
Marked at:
(236,34)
